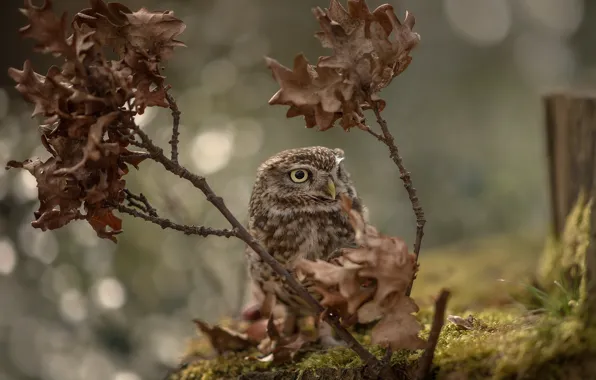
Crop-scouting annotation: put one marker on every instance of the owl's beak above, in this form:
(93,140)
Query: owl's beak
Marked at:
(331,188)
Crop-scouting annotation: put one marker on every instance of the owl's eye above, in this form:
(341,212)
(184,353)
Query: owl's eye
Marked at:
(299,175)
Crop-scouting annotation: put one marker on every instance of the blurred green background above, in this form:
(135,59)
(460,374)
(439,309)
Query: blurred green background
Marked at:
(466,115)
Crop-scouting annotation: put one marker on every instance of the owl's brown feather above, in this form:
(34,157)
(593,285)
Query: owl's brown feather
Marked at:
(298,220)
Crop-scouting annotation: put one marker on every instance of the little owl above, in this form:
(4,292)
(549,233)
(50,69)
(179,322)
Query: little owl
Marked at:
(295,212)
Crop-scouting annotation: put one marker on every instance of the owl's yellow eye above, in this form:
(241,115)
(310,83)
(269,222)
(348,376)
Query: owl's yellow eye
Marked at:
(299,175)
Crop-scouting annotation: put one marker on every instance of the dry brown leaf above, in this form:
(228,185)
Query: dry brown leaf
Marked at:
(47,29)
(388,267)
(38,90)
(370,49)
(142,39)
(84,126)
(278,348)
(398,328)
(317,95)
(154,32)
(223,339)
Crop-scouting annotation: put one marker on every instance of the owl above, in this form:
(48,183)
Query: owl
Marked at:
(295,212)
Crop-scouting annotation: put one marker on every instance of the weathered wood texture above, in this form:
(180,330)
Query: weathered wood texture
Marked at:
(571,144)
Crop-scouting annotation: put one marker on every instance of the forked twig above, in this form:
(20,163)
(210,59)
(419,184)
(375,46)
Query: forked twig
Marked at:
(141,202)
(167,223)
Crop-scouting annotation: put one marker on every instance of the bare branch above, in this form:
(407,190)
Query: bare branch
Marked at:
(144,204)
(404,175)
(199,182)
(426,360)
(166,223)
(175,126)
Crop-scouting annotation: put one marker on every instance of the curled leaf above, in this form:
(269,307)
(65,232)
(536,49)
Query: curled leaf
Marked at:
(87,105)
(223,339)
(370,281)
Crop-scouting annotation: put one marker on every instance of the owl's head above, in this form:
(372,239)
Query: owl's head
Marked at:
(304,176)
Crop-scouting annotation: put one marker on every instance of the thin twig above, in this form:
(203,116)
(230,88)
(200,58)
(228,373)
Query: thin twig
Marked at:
(144,205)
(134,142)
(166,223)
(426,360)
(404,175)
(199,182)
(378,136)
(175,126)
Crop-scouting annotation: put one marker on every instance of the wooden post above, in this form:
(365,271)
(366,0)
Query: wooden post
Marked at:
(571,144)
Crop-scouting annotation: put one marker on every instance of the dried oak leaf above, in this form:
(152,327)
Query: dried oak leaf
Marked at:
(371,48)
(143,31)
(320,94)
(59,196)
(154,32)
(102,218)
(142,39)
(279,349)
(47,29)
(223,339)
(317,95)
(46,94)
(341,287)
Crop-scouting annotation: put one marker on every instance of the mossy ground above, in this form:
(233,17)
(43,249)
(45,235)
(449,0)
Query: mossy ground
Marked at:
(509,342)
(509,345)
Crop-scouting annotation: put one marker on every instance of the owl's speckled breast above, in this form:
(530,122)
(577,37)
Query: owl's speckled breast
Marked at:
(312,235)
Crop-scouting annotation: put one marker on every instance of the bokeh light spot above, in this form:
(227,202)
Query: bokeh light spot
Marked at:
(560,16)
(481,22)
(219,76)
(126,376)
(73,305)
(8,257)
(109,293)
(212,150)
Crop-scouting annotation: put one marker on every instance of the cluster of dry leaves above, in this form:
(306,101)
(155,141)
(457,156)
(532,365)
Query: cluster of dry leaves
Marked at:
(369,283)
(369,50)
(366,284)
(88,102)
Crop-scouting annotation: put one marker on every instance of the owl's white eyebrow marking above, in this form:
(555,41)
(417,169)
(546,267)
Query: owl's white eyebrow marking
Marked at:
(338,160)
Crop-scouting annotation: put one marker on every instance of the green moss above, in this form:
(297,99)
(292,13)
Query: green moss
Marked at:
(507,343)
(511,345)
(563,260)
(503,345)
(227,367)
